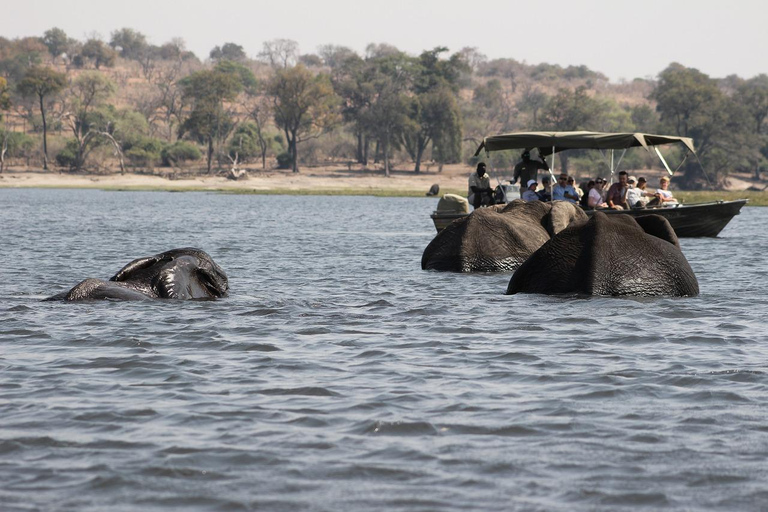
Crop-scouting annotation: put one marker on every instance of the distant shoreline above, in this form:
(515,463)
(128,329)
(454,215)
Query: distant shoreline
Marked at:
(310,182)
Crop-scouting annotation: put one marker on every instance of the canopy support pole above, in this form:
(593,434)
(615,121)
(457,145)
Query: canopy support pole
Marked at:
(666,166)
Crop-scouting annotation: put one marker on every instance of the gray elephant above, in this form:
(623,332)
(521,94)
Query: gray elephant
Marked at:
(182,274)
(614,255)
(498,239)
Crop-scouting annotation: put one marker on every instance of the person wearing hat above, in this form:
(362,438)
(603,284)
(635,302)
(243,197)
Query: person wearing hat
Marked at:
(480,191)
(595,199)
(530,191)
(527,169)
(616,198)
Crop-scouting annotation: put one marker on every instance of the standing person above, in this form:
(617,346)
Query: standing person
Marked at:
(530,192)
(480,191)
(595,199)
(528,170)
(564,190)
(617,192)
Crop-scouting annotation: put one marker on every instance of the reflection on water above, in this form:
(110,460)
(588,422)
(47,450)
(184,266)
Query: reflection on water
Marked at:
(339,376)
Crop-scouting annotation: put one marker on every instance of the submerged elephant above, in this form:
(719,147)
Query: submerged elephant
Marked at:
(182,274)
(609,255)
(498,239)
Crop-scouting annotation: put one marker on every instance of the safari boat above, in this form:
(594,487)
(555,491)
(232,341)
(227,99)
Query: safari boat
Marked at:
(688,220)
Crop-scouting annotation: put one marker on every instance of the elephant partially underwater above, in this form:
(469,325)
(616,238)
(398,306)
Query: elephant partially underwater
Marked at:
(498,239)
(181,274)
(615,255)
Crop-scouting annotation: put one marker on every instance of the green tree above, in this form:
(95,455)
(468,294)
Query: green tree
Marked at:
(99,53)
(209,121)
(570,110)
(304,106)
(352,81)
(228,51)
(682,97)
(753,94)
(691,104)
(129,43)
(434,112)
(42,82)
(56,41)
(91,123)
(387,115)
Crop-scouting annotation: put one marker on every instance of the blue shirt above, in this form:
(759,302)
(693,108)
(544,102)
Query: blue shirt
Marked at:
(558,193)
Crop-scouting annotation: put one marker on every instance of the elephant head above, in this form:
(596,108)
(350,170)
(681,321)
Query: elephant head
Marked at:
(187,273)
(609,255)
(497,239)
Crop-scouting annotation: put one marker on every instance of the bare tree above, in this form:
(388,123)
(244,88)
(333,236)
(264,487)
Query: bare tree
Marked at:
(280,53)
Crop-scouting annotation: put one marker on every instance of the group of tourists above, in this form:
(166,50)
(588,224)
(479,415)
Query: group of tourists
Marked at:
(626,193)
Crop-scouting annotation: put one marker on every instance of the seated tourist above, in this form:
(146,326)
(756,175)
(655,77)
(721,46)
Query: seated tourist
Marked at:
(595,198)
(564,190)
(583,201)
(545,194)
(616,197)
(663,196)
(637,197)
(530,192)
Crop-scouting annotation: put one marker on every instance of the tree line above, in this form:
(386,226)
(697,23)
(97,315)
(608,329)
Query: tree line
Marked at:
(129,103)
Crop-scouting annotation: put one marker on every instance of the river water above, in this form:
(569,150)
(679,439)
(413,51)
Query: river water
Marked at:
(339,376)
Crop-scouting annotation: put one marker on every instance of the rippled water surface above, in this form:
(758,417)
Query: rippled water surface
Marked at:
(340,376)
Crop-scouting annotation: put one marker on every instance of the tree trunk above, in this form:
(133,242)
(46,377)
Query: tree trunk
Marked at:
(294,153)
(421,145)
(366,144)
(385,148)
(359,154)
(45,134)
(210,153)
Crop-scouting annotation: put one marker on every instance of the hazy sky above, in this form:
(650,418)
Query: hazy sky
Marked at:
(619,38)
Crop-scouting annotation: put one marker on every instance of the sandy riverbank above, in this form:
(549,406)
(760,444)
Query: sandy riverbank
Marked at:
(321,181)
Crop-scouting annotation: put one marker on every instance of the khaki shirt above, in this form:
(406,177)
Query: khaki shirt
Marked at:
(477,181)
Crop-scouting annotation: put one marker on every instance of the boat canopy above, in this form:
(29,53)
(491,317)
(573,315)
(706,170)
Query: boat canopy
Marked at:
(546,142)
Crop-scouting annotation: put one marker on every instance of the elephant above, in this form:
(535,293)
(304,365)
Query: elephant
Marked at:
(498,238)
(615,255)
(181,274)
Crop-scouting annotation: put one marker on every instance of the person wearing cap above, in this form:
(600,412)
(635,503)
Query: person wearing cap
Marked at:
(616,198)
(530,191)
(595,199)
(527,169)
(564,190)
(480,191)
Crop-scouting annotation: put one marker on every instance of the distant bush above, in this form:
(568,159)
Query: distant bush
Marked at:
(145,152)
(179,152)
(67,157)
(19,144)
(284,160)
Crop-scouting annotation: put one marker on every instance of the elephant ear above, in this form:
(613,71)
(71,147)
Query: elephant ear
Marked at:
(562,215)
(658,226)
(137,265)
